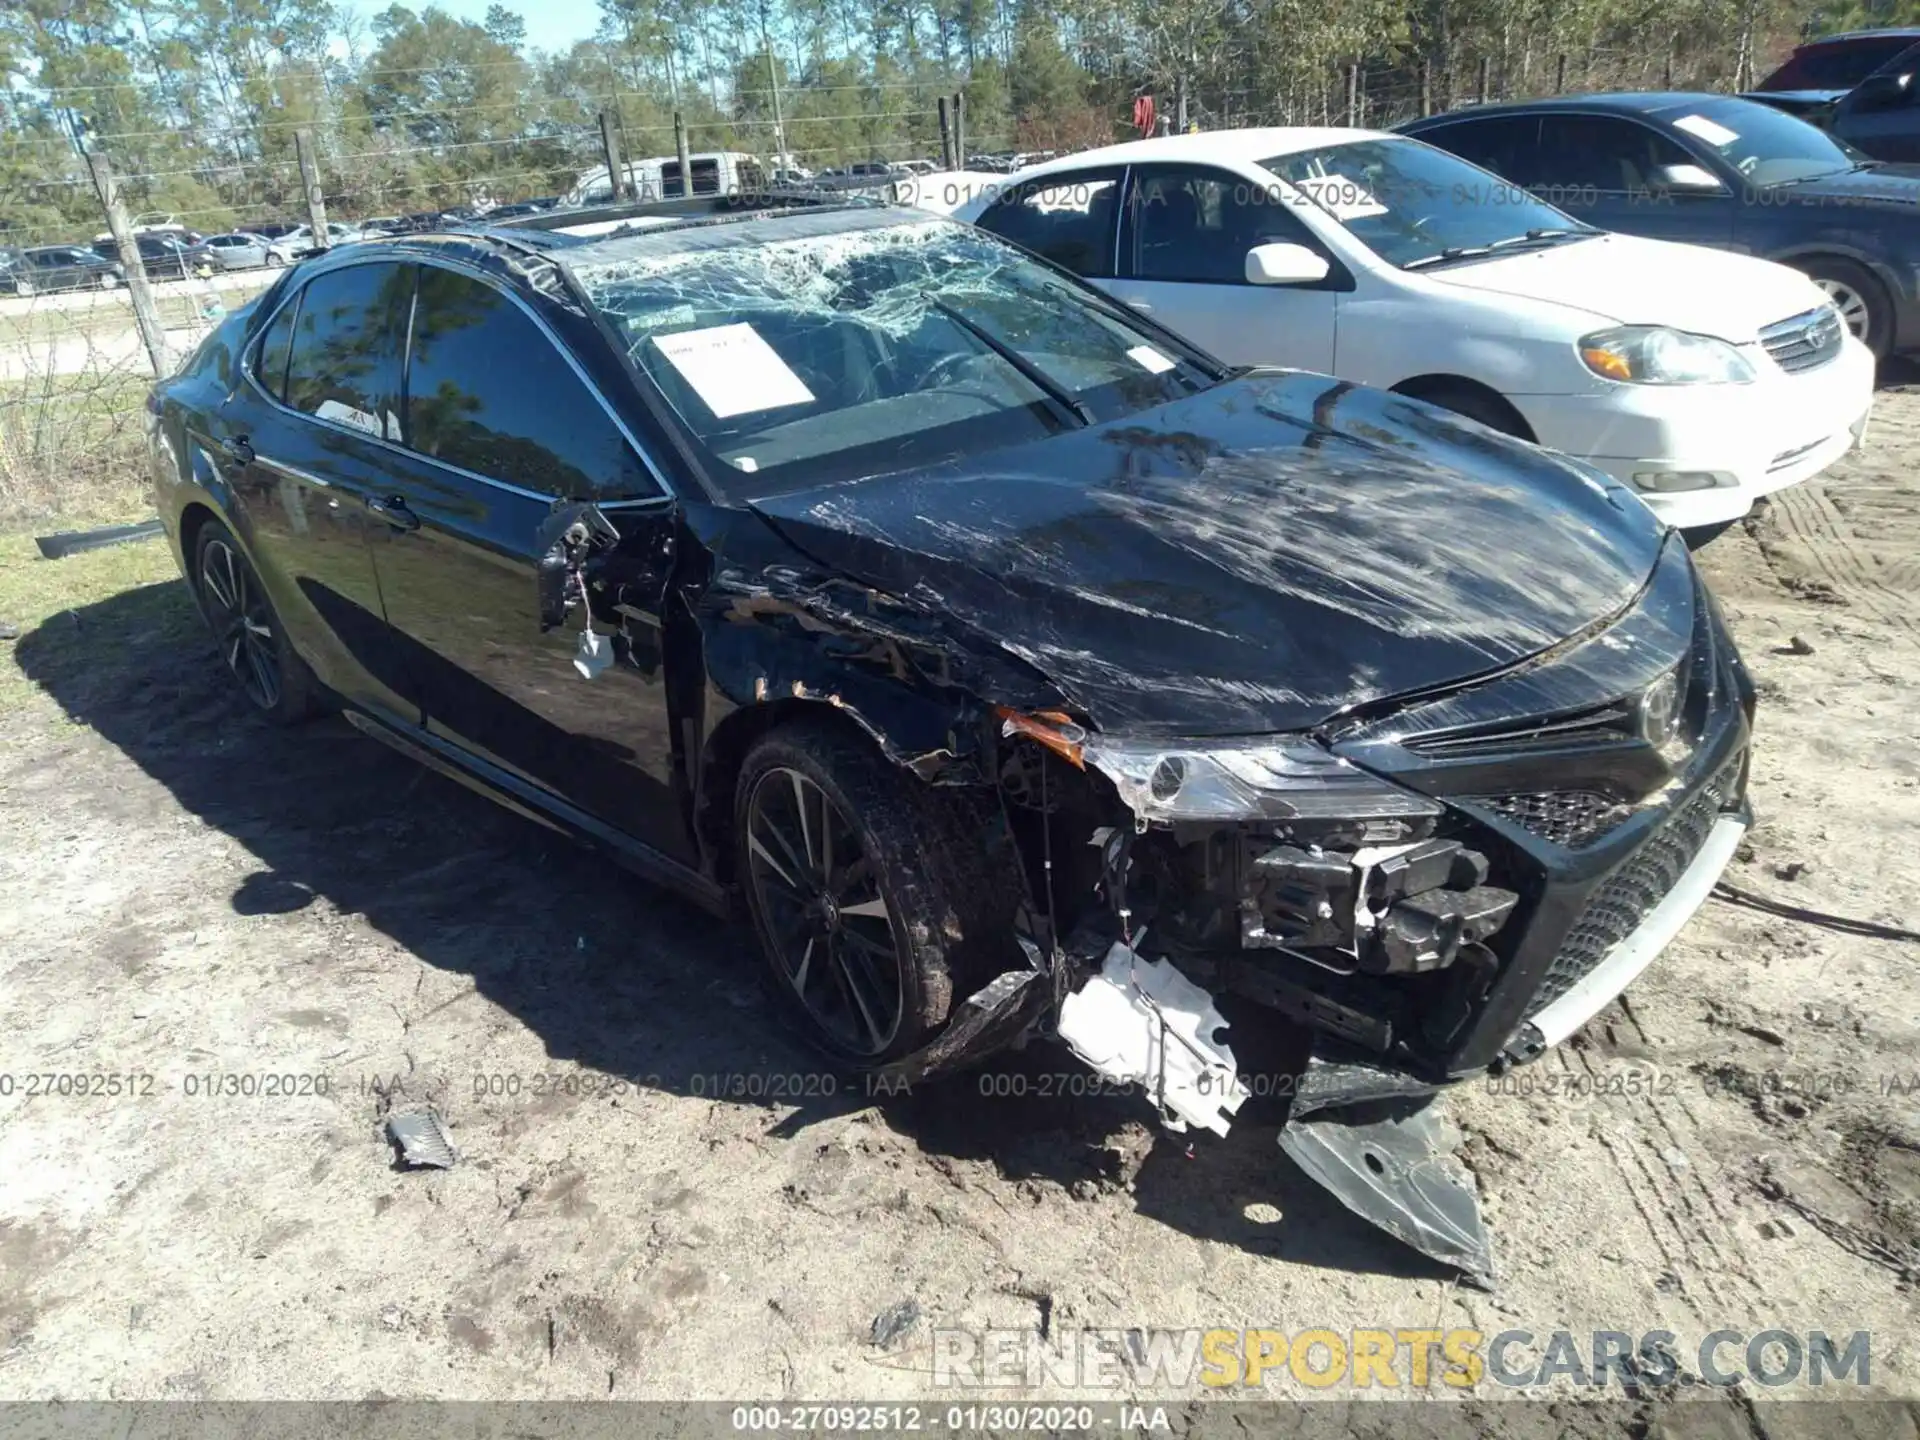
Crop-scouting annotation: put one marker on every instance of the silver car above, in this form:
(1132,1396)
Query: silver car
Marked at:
(244,251)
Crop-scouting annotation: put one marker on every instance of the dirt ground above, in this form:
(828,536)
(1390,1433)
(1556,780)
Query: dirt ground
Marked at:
(649,1203)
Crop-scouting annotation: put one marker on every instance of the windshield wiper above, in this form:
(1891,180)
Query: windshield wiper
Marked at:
(1042,381)
(1545,236)
(1448,255)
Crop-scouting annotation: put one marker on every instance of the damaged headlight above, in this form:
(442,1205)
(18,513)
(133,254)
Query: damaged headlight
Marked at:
(1264,778)
(1655,355)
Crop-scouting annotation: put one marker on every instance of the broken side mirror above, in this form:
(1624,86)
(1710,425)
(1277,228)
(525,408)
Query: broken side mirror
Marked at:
(570,535)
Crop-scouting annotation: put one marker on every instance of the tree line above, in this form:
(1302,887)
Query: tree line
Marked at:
(197,102)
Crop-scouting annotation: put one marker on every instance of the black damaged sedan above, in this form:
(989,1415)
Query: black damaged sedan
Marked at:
(1011,664)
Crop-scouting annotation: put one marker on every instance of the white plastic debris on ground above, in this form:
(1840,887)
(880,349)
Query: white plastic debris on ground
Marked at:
(1143,1021)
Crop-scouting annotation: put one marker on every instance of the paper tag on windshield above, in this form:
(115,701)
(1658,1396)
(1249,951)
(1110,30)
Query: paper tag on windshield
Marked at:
(1341,197)
(1706,129)
(1150,359)
(733,370)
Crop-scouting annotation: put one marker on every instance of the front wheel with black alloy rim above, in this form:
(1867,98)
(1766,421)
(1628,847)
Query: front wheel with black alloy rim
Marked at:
(881,902)
(251,639)
(1859,297)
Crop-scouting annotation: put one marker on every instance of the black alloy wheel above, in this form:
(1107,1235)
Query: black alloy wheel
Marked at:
(241,620)
(251,640)
(826,923)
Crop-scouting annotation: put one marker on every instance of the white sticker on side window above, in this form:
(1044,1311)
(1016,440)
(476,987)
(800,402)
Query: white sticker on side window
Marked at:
(1706,129)
(342,414)
(1148,358)
(733,370)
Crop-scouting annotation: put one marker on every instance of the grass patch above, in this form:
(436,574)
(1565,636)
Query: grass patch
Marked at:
(49,598)
(72,448)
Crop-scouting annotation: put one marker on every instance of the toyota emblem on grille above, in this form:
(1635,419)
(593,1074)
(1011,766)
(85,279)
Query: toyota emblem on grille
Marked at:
(1658,709)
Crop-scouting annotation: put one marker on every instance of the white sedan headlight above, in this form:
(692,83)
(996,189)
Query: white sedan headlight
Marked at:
(1655,355)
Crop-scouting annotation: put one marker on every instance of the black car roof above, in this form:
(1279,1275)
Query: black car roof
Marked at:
(1892,32)
(1624,102)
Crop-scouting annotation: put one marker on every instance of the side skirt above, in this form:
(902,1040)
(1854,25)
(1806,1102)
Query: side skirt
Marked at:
(543,808)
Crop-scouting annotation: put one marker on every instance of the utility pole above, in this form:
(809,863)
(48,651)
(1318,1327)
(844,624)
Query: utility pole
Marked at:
(1560,74)
(1426,87)
(773,79)
(1486,79)
(946,137)
(960,130)
(1353,95)
(145,317)
(310,182)
(610,144)
(680,149)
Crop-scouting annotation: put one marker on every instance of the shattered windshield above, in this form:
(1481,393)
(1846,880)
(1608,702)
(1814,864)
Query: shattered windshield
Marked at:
(836,344)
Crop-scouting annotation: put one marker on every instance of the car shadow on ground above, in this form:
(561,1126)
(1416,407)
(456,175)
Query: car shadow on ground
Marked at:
(614,974)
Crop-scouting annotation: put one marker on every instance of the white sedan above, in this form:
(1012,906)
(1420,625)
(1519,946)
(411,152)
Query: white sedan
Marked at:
(1701,379)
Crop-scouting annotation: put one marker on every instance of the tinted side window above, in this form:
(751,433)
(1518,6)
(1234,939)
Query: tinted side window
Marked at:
(1197,225)
(1601,152)
(1506,145)
(345,360)
(1067,218)
(489,392)
(270,358)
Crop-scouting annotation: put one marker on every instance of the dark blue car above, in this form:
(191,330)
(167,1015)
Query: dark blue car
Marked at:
(1720,171)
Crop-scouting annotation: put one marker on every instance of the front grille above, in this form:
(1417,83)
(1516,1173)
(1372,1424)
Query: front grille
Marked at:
(1624,897)
(1805,342)
(1572,818)
(1606,724)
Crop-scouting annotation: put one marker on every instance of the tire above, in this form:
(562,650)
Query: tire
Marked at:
(109,282)
(935,884)
(274,679)
(1863,300)
(1701,535)
(274,262)
(1489,410)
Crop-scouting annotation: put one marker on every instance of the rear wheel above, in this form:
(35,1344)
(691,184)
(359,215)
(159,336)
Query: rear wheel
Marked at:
(1859,297)
(245,626)
(880,901)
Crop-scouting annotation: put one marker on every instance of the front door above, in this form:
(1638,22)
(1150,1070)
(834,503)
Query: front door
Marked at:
(499,429)
(1184,262)
(1620,173)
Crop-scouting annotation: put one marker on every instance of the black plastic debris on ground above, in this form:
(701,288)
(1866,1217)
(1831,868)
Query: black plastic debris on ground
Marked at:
(72,542)
(422,1141)
(893,1322)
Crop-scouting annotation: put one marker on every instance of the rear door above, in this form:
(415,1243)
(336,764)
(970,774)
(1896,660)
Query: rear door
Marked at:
(1184,247)
(1071,218)
(300,443)
(500,427)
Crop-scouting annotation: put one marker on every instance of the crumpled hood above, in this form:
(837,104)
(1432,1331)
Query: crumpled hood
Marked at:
(1253,559)
(1635,281)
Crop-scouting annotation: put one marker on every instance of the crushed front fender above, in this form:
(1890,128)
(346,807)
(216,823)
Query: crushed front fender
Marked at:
(1380,1141)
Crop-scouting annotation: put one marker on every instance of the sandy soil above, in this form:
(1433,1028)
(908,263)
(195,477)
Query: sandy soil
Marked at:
(196,902)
